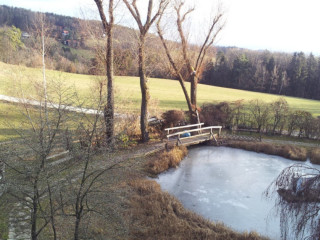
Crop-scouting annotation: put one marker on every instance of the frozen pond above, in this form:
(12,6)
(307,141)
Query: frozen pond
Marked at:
(225,184)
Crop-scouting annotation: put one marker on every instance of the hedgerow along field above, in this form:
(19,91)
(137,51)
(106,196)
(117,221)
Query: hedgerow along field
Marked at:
(166,94)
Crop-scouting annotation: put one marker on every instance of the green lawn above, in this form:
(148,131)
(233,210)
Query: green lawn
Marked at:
(166,94)
(10,119)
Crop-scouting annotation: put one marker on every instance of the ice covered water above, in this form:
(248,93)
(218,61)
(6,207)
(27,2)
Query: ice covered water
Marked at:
(225,184)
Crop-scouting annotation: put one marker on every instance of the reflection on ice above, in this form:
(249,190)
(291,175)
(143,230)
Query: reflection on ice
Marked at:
(225,184)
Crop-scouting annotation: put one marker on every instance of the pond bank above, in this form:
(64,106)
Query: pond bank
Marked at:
(289,151)
(224,184)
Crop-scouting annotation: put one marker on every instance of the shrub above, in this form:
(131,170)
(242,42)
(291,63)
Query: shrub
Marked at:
(215,114)
(165,160)
(315,156)
(173,118)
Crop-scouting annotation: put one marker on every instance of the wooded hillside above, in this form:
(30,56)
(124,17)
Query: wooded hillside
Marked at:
(78,46)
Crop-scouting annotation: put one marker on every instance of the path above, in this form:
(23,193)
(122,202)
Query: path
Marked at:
(55,105)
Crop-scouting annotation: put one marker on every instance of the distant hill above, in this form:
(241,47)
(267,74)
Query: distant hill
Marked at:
(77,46)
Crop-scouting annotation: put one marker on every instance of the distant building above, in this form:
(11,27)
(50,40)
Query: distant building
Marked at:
(25,35)
(65,33)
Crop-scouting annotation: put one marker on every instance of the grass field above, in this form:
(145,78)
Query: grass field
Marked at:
(166,94)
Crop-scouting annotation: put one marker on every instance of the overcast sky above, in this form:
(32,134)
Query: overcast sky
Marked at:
(276,25)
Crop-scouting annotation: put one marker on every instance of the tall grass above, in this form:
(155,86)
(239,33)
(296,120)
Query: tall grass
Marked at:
(158,215)
(165,160)
(315,156)
(286,151)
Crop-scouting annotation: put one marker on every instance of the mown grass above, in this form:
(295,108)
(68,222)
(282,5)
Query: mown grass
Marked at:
(9,119)
(167,92)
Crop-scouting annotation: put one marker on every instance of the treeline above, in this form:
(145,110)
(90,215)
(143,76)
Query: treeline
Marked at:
(275,118)
(295,74)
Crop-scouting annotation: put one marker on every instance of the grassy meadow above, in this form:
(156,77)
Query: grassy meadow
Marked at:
(165,94)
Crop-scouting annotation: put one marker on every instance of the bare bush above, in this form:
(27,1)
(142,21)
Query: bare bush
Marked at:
(297,204)
(173,118)
(216,114)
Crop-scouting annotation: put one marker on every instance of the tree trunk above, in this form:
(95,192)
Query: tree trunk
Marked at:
(109,111)
(109,108)
(34,211)
(76,228)
(174,66)
(193,92)
(144,91)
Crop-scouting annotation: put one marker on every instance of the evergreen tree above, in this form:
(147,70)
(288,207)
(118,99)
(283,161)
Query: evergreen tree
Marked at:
(312,77)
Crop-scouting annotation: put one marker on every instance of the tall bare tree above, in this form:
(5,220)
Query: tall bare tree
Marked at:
(143,30)
(41,37)
(108,28)
(193,65)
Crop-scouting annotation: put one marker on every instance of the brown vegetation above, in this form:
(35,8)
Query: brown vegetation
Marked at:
(173,118)
(315,156)
(158,215)
(165,160)
(215,114)
(287,151)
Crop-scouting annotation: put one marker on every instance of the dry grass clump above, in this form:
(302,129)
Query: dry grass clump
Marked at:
(158,215)
(315,156)
(165,160)
(287,151)
(294,152)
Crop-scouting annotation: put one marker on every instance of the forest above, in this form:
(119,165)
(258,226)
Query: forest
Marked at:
(287,74)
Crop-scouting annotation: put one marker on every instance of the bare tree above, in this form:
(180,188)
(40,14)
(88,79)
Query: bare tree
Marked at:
(296,192)
(62,190)
(195,65)
(260,113)
(108,28)
(41,37)
(174,66)
(279,110)
(29,172)
(143,30)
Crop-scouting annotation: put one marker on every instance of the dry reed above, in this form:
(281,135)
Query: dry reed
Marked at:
(315,156)
(287,151)
(165,160)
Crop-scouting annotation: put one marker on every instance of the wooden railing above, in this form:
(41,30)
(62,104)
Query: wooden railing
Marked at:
(201,131)
(182,127)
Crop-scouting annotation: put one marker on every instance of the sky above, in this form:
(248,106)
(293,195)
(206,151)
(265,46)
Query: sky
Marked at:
(275,25)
